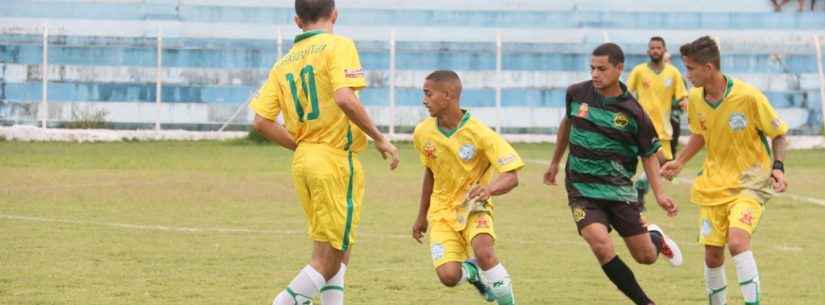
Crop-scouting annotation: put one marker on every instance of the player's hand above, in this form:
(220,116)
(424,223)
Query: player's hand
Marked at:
(388,150)
(670,169)
(551,173)
(779,182)
(683,104)
(667,204)
(419,228)
(479,193)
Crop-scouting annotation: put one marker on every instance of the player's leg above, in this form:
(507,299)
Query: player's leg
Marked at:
(494,282)
(592,221)
(713,229)
(645,242)
(449,251)
(333,292)
(743,219)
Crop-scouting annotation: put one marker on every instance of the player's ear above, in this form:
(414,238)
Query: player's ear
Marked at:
(298,22)
(620,66)
(333,16)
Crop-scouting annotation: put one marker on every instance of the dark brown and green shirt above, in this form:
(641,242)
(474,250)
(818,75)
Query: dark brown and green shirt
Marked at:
(607,137)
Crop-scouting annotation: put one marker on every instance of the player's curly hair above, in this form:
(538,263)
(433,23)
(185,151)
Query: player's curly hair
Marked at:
(312,10)
(703,50)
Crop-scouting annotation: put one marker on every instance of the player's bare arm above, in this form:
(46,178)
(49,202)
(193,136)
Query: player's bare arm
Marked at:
(346,99)
(651,165)
(420,225)
(562,140)
(671,169)
(778,145)
(502,184)
(274,132)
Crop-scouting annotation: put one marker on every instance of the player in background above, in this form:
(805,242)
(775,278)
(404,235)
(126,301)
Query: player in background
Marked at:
(459,155)
(607,132)
(733,120)
(314,88)
(656,84)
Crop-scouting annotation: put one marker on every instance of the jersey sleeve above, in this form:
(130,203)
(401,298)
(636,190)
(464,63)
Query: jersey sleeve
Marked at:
(649,143)
(500,153)
(266,102)
(694,124)
(767,121)
(345,66)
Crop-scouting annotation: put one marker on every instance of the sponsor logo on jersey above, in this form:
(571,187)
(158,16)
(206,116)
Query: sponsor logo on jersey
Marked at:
(583,110)
(353,73)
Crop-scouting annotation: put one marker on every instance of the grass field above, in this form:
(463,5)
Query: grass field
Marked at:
(218,223)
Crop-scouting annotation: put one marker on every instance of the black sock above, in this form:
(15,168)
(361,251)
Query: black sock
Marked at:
(623,278)
(657,239)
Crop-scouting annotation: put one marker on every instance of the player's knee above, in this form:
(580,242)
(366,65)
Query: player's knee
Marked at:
(449,279)
(713,261)
(601,247)
(486,257)
(738,245)
(646,257)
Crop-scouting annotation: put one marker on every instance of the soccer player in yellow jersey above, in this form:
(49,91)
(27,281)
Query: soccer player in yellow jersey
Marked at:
(732,120)
(314,88)
(656,84)
(459,154)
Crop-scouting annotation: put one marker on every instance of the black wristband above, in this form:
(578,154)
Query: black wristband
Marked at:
(777,164)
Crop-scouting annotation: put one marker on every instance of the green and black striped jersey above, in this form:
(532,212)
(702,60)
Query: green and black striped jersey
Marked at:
(607,137)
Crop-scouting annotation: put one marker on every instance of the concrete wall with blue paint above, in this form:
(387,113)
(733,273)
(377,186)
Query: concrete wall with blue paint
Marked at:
(217,53)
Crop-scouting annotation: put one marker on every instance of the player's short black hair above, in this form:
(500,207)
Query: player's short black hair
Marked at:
(703,50)
(613,52)
(659,39)
(448,78)
(312,10)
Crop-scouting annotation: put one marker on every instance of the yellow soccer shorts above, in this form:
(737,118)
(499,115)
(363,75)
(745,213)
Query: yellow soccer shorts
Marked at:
(715,221)
(330,184)
(449,245)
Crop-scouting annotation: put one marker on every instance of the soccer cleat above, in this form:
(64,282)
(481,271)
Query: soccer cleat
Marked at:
(474,278)
(669,247)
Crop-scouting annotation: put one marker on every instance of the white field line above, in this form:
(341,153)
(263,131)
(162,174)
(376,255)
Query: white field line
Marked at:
(146,227)
(686,181)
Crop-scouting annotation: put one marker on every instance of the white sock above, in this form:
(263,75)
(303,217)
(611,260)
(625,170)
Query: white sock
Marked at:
(748,276)
(498,280)
(303,287)
(715,285)
(333,292)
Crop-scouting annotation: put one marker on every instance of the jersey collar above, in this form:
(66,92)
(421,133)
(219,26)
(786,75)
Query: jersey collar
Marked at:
(451,132)
(307,34)
(728,89)
(614,99)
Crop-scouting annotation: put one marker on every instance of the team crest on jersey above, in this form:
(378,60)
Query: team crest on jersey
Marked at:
(583,110)
(668,82)
(579,214)
(467,152)
(429,150)
(620,120)
(737,121)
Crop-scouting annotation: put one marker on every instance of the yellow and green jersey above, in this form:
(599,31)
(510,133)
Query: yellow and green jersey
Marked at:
(301,86)
(656,92)
(607,137)
(738,161)
(458,158)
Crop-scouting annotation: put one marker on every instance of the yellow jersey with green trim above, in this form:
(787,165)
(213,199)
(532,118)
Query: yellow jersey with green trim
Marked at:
(458,159)
(301,86)
(656,93)
(738,161)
